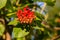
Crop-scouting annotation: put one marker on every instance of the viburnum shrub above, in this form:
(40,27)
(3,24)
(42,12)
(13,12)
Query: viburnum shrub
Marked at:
(25,15)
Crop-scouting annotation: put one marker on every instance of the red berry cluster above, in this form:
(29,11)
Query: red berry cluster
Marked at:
(25,16)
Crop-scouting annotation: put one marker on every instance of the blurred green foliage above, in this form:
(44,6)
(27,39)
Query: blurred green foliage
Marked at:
(43,24)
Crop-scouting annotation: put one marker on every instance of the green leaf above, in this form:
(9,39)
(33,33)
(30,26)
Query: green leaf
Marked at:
(18,33)
(22,38)
(9,14)
(2,28)
(13,1)
(39,16)
(42,29)
(36,27)
(13,22)
(9,6)
(2,3)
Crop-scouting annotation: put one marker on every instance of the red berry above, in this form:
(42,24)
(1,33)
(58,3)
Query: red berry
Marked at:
(25,16)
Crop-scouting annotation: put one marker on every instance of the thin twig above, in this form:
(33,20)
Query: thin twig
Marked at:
(43,8)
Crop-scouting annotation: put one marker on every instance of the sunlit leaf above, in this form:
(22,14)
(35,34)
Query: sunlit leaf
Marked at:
(42,29)
(9,14)
(13,22)
(22,38)
(2,3)
(2,28)
(18,33)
